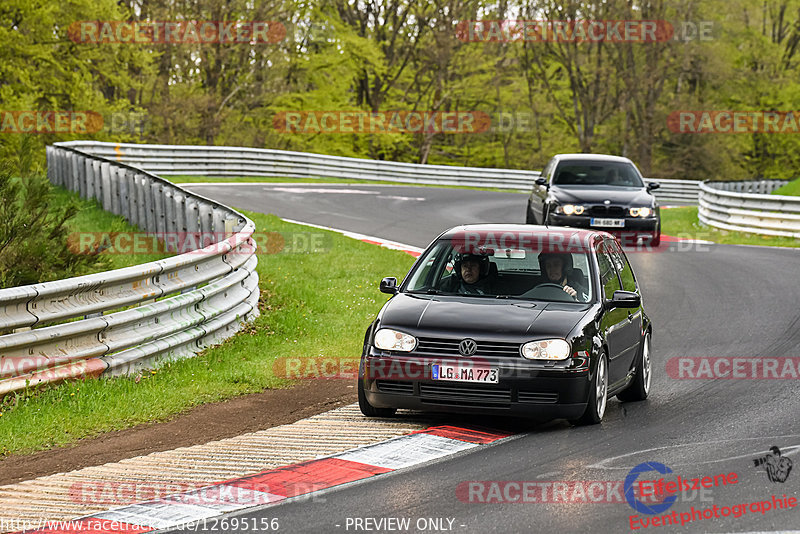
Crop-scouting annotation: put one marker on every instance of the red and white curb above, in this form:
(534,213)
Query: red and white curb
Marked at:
(276,485)
(386,243)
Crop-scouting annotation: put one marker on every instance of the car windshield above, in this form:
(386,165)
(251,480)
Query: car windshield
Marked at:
(525,272)
(610,173)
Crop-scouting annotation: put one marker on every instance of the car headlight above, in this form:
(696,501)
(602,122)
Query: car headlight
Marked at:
(386,339)
(570,209)
(640,212)
(546,349)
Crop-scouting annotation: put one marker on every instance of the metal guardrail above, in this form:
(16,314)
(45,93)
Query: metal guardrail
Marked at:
(744,207)
(235,161)
(204,295)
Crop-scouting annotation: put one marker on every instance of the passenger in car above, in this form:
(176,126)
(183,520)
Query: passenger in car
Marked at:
(557,268)
(471,276)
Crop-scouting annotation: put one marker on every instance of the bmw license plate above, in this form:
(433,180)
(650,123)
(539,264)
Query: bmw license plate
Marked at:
(615,223)
(464,373)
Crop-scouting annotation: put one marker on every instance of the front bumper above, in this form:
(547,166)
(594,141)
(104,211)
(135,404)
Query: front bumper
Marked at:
(634,226)
(528,389)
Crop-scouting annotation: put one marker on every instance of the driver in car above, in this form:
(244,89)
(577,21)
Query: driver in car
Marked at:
(470,276)
(557,269)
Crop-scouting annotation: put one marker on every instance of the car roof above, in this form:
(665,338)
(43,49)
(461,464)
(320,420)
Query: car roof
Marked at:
(555,234)
(592,157)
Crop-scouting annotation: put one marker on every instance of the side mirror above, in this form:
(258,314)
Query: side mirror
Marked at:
(389,285)
(541,181)
(624,299)
(653,185)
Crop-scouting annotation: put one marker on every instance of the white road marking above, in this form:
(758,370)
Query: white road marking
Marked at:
(362,237)
(785,450)
(320,190)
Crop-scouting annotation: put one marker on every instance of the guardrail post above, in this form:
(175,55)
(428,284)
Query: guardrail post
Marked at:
(123,193)
(141,200)
(115,179)
(83,178)
(179,200)
(158,225)
(206,219)
(48,156)
(105,188)
(170,225)
(218,216)
(71,182)
(93,182)
(192,216)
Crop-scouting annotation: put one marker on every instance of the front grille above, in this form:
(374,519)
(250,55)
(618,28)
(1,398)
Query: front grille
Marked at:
(465,393)
(534,397)
(396,387)
(449,347)
(607,211)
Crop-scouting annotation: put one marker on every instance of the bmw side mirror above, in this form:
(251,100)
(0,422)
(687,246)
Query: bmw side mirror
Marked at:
(389,285)
(624,299)
(541,181)
(653,185)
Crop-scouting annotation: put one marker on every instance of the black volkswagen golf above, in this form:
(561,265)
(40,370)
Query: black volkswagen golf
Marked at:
(510,319)
(596,191)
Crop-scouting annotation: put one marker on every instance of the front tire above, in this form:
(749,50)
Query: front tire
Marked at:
(368,409)
(640,387)
(655,240)
(598,395)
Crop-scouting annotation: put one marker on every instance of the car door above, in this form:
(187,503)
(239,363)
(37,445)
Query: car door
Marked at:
(614,323)
(632,332)
(539,193)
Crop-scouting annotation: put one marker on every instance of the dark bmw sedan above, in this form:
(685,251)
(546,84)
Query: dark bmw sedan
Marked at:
(510,319)
(596,191)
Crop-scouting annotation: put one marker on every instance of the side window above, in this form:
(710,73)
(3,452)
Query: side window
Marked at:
(608,273)
(623,266)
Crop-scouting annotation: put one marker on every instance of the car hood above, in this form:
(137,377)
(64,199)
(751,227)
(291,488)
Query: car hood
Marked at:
(473,316)
(620,196)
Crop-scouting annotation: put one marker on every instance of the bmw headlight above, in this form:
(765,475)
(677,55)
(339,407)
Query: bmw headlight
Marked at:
(570,209)
(640,212)
(387,339)
(546,349)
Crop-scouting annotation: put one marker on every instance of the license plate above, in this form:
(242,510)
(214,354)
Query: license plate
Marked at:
(464,373)
(616,223)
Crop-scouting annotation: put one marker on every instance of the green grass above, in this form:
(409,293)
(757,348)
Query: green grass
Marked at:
(278,179)
(683,222)
(312,304)
(792,188)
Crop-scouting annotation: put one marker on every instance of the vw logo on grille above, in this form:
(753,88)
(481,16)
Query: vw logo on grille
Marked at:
(467,347)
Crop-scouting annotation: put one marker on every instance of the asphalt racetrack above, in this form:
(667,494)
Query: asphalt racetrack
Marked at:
(704,300)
